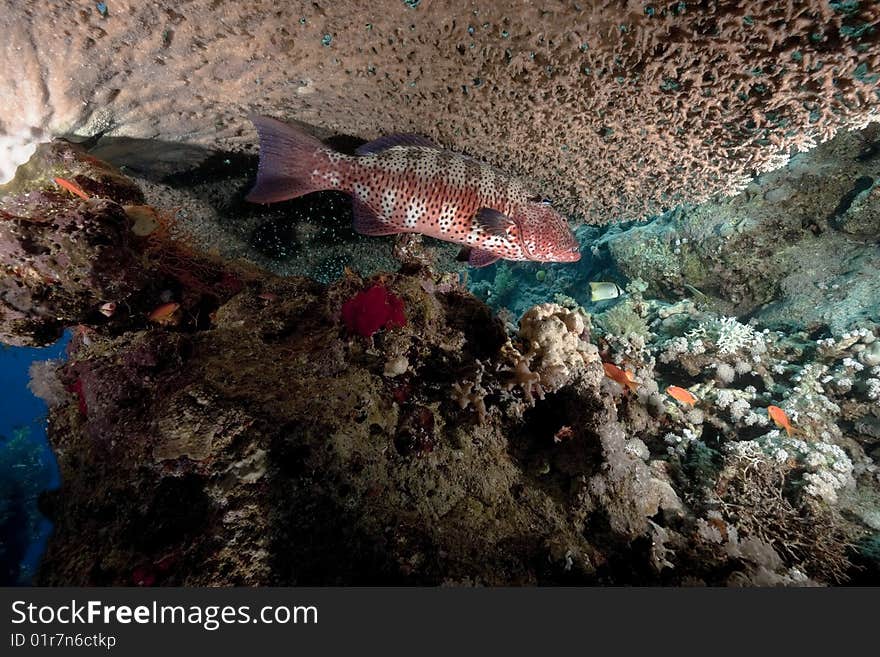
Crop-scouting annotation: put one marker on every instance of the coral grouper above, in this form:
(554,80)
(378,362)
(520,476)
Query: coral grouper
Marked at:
(406,184)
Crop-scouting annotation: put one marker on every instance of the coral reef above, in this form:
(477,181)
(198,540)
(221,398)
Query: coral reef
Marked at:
(107,258)
(255,432)
(61,255)
(659,102)
(324,479)
(753,481)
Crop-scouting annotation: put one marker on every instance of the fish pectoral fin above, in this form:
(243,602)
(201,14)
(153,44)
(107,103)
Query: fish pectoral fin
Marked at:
(367,222)
(392,141)
(481,258)
(464,254)
(494,222)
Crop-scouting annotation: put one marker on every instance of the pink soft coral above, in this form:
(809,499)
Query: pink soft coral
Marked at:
(372,309)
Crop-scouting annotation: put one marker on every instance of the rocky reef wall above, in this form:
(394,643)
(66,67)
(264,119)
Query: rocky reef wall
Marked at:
(797,249)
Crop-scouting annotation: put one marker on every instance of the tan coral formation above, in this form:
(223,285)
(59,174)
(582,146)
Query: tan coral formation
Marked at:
(611,108)
(558,340)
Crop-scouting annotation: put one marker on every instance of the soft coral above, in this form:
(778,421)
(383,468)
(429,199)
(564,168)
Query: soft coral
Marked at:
(372,309)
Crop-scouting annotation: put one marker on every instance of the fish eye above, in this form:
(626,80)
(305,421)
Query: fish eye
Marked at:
(546,201)
(575,249)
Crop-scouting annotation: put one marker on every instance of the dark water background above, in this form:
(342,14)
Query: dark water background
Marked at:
(27,465)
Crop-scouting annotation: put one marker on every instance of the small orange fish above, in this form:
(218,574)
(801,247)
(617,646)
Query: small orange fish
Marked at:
(681,395)
(780,418)
(163,313)
(71,187)
(616,374)
(564,433)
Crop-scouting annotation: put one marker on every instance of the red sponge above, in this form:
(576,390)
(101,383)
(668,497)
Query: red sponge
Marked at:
(372,309)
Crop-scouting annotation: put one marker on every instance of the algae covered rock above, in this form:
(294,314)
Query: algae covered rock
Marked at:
(62,255)
(277,432)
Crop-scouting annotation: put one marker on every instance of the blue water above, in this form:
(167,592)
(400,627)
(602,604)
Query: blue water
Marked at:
(27,465)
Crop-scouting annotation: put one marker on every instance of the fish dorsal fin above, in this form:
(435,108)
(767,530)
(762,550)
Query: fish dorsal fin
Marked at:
(494,222)
(367,222)
(392,141)
(481,258)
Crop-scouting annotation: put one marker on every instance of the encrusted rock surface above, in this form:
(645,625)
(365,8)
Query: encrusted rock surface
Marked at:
(271,449)
(613,109)
(60,255)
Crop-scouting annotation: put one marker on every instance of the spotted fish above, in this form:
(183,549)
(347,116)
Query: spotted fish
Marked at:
(407,184)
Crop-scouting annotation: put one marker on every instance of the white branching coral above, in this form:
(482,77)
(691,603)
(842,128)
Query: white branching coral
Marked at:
(738,346)
(728,335)
(673,348)
(738,409)
(679,444)
(724,373)
(873,389)
(738,404)
(825,467)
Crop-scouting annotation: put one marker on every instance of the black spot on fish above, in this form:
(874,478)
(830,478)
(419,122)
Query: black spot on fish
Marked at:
(345,144)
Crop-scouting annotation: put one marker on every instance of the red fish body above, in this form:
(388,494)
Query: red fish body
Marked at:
(406,184)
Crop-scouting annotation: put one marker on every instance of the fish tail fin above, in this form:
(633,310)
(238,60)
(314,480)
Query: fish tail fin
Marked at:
(287,158)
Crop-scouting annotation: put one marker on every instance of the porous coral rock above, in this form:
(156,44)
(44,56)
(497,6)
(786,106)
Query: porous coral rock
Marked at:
(658,102)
